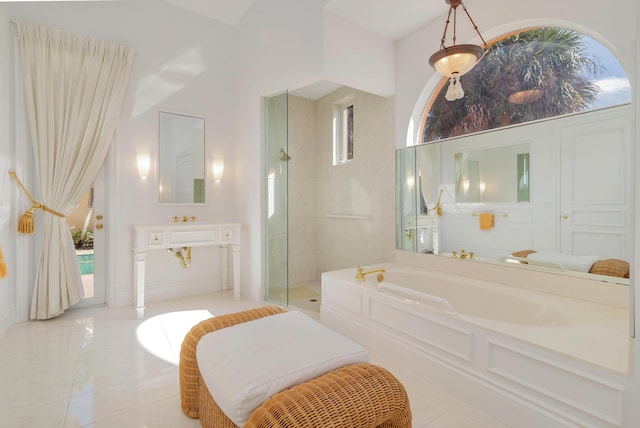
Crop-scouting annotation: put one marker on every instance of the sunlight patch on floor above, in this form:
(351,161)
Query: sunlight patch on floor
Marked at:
(162,335)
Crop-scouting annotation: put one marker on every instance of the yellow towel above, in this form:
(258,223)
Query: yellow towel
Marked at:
(486,221)
(3,265)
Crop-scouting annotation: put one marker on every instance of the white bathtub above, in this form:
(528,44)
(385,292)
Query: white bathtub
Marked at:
(477,301)
(559,360)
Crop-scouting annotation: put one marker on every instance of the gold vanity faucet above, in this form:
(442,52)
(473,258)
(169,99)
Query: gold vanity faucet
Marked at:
(463,254)
(361,273)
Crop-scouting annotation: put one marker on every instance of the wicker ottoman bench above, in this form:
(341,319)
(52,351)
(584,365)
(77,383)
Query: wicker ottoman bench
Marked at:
(355,395)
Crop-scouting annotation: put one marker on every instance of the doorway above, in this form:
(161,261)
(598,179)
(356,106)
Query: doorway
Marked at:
(86,225)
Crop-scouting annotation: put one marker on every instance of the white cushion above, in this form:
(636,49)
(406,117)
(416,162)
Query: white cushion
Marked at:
(568,261)
(245,364)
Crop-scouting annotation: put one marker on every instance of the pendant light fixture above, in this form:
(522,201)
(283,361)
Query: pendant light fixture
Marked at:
(456,60)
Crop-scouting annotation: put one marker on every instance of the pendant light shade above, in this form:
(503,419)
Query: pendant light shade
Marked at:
(456,60)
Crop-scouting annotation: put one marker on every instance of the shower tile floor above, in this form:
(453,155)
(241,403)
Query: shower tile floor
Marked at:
(305,296)
(102,367)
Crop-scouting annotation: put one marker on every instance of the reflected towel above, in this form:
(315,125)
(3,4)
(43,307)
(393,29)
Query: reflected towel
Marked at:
(486,221)
(3,265)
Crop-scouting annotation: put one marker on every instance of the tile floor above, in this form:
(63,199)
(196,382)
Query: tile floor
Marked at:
(102,367)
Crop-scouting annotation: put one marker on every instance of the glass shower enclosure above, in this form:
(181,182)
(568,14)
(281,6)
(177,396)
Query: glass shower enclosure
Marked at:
(276,201)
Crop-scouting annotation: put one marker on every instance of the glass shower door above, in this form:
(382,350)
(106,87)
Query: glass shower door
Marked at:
(276,203)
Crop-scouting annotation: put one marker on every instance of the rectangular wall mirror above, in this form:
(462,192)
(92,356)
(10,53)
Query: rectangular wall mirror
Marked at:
(496,174)
(561,188)
(181,165)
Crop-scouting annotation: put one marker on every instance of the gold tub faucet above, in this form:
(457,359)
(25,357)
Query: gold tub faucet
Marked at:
(361,273)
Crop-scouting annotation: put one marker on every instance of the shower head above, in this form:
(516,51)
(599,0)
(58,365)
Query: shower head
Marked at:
(284,156)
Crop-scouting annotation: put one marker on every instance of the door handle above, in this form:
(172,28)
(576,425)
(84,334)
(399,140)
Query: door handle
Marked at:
(564,216)
(99,226)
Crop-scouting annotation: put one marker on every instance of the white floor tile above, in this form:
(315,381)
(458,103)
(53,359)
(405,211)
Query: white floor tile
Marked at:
(103,367)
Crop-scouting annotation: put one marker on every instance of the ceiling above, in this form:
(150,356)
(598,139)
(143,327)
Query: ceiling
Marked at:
(390,19)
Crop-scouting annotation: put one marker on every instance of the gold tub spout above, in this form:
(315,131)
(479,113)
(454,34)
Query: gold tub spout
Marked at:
(361,273)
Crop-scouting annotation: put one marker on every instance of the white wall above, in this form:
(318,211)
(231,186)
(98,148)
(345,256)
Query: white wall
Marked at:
(8,284)
(372,69)
(184,63)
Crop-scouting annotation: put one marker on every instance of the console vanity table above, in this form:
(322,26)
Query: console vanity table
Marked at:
(163,237)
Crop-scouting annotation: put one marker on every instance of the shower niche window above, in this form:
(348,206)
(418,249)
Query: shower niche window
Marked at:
(343,131)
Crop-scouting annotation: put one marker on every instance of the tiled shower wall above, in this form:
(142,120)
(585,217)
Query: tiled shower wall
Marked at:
(317,189)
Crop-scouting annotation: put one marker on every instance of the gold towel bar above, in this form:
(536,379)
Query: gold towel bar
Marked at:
(504,215)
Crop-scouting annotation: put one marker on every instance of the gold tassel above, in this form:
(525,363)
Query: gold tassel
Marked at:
(25,225)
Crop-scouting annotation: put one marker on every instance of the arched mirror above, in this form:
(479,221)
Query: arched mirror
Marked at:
(181,164)
(532,167)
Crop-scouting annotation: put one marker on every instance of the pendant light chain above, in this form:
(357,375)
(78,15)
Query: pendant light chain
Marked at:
(475,27)
(446,26)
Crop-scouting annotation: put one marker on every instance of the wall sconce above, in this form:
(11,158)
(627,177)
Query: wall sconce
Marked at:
(144,163)
(482,186)
(218,169)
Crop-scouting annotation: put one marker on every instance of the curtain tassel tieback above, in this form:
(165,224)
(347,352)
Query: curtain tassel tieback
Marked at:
(26,224)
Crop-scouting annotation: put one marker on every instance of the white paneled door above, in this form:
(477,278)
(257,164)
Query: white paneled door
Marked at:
(596,185)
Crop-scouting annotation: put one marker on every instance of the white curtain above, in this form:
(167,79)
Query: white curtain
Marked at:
(428,156)
(74,88)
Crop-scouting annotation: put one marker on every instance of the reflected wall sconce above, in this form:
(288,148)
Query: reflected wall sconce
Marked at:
(411,181)
(482,186)
(217,168)
(465,185)
(144,163)
(456,60)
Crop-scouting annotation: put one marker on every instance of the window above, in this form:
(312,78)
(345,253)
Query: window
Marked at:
(343,131)
(530,75)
